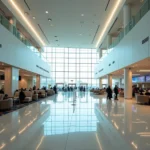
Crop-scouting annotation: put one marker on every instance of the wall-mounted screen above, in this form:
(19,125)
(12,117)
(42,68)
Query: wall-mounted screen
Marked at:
(134,79)
(148,78)
(141,79)
(138,79)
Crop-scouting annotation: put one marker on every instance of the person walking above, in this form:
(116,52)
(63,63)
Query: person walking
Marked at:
(109,93)
(116,92)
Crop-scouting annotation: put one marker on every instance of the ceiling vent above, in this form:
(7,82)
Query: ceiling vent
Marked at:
(107,5)
(95,34)
(27,4)
(43,33)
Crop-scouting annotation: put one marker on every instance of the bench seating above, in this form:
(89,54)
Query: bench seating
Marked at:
(50,92)
(6,104)
(28,95)
(142,99)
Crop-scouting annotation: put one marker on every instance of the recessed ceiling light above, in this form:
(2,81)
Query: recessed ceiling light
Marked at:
(46,12)
(80,34)
(49,19)
(26,13)
(82,15)
(112,14)
(55,36)
(144,71)
(52,25)
(33,17)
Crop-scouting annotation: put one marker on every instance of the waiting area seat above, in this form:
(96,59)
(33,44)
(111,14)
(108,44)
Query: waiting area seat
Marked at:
(28,95)
(144,99)
(98,91)
(16,96)
(5,104)
(42,93)
(35,96)
(121,94)
(50,92)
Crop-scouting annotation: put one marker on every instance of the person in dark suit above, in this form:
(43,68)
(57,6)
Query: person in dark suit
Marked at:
(147,93)
(116,92)
(21,96)
(109,92)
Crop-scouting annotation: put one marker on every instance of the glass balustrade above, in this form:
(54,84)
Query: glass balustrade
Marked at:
(134,20)
(5,22)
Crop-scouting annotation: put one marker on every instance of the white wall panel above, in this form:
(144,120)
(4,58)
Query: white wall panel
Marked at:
(130,50)
(15,53)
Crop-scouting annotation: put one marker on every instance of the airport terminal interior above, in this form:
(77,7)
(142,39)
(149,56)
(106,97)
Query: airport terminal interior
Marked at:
(74,75)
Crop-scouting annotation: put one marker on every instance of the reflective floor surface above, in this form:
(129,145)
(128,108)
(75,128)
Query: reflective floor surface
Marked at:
(77,121)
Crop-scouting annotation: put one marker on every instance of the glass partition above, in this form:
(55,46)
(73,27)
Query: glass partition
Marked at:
(5,22)
(134,20)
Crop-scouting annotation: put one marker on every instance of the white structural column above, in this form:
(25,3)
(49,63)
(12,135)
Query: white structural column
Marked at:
(12,22)
(100,83)
(109,77)
(38,81)
(11,80)
(126,14)
(127,83)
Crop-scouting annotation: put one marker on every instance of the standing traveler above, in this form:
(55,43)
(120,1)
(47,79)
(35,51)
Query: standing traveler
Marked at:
(116,92)
(109,93)
(22,96)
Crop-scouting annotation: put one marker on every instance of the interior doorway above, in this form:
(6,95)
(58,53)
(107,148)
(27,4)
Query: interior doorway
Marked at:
(72,85)
(59,86)
(85,85)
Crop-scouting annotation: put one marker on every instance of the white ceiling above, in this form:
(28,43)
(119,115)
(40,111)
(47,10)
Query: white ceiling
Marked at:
(71,29)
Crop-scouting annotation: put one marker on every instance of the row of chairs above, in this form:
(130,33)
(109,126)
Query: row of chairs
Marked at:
(29,96)
(98,91)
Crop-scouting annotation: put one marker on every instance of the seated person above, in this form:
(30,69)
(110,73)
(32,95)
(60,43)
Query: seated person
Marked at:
(21,96)
(147,93)
(34,87)
(5,97)
(141,93)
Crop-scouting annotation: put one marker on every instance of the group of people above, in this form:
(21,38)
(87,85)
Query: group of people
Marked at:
(82,89)
(5,95)
(68,88)
(109,92)
(140,91)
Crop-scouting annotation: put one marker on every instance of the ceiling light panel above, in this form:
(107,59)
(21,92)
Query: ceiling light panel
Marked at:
(109,21)
(16,7)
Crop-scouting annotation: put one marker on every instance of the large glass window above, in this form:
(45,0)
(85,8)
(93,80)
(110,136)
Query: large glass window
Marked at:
(72,65)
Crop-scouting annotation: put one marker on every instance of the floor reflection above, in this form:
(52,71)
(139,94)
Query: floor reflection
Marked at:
(80,117)
(77,121)
(130,120)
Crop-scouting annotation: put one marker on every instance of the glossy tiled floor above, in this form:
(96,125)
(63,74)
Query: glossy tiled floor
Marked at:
(90,123)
